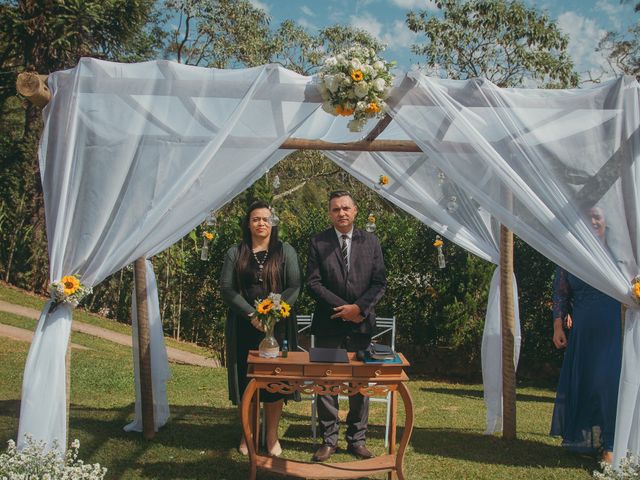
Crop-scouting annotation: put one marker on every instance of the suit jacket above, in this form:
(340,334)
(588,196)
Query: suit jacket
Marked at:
(331,285)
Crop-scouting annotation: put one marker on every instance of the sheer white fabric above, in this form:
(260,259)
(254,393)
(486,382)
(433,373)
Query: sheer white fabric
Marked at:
(538,160)
(417,186)
(160,373)
(132,158)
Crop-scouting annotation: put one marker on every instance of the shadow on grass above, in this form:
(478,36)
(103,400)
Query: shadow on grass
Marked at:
(478,393)
(488,449)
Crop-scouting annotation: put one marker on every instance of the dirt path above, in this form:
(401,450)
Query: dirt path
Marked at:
(174,354)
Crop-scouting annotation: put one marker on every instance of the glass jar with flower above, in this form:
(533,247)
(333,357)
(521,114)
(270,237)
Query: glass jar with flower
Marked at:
(270,311)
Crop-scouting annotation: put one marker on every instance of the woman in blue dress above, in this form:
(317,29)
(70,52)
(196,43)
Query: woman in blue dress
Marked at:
(585,408)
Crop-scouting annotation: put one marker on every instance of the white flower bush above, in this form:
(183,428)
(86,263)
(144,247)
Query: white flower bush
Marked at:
(628,469)
(355,82)
(36,462)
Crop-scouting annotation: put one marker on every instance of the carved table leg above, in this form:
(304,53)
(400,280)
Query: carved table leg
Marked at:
(245,417)
(408,427)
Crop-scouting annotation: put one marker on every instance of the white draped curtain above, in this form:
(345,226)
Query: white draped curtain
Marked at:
(134,156)
(538,160)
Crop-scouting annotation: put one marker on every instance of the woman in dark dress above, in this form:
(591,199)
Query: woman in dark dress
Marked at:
(259,265)
(587,395)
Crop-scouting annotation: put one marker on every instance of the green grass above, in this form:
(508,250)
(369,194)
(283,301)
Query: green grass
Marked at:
(200,440)
(20,297)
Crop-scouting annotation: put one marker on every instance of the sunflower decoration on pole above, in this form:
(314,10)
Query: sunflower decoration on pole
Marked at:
(355,83)
(68,290)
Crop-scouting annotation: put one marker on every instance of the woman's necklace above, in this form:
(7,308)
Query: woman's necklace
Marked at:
(260,263)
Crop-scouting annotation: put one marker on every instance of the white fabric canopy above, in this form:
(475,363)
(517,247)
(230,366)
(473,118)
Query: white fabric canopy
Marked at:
(415,185)
(134,156)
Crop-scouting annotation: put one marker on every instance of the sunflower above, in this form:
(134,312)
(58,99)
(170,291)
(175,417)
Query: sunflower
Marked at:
(372,219)
(265,306)
(438,243)
(636,289)
(373,108)
(384,180)
(71,284)
(344,111)
(208,235)
(357,75)
(285,309)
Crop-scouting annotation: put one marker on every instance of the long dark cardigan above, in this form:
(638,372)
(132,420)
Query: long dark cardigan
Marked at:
(239,309)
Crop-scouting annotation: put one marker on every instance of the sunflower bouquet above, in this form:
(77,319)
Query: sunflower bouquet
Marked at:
(270,310)
(635,288)
(68,290)
(355,82)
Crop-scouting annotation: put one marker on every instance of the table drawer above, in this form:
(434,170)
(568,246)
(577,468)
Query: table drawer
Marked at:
(377,371)
(328,371)
(274,369)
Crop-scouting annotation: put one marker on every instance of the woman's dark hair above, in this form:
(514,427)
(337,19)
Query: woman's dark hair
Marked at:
(273,266)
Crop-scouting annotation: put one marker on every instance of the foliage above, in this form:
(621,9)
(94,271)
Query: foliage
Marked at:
(623,50)
(218,33)
(298,50)
(38,462)
(503,41)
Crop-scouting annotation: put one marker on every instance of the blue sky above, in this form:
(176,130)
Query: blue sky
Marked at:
(585,21)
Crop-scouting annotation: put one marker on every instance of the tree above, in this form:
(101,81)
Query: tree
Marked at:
(623,51)
(218,33)
(47,36)
(503,41)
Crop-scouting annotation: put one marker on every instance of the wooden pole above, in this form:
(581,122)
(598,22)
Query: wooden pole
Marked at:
(144,349)
(67,366)
(508,334)
(33,87)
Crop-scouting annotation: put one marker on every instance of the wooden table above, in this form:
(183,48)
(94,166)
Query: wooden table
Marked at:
(297,373)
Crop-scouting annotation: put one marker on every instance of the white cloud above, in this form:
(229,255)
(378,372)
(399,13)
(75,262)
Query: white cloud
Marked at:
(415,4)
(584,35)
(261,5)
(307,25)
(369,23)
(307,11)
(398,35)
(613,11)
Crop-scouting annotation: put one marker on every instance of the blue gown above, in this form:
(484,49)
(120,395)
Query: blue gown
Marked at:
(587,394)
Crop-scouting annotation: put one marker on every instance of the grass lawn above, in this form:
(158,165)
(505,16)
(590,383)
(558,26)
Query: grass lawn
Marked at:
(199,442)
(17,296)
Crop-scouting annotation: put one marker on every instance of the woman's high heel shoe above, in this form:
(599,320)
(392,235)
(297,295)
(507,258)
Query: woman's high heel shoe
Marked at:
(243,449)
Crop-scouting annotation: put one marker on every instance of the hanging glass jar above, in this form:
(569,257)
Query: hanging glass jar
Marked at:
(440,256)
(371,223)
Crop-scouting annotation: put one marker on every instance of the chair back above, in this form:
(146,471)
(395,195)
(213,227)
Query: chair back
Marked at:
(304,324)
(385,326)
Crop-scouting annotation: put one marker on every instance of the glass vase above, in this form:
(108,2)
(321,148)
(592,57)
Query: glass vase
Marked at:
(269,347)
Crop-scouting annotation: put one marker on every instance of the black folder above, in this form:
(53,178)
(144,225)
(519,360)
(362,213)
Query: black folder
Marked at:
(328,355)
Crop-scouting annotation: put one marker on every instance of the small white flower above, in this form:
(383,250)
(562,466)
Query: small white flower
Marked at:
(331,62)
(355,64)
(378,65)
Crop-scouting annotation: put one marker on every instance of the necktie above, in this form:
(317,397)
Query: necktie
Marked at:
(345,251)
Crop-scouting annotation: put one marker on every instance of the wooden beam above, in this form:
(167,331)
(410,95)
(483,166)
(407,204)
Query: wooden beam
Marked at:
(33,87)
(362,145)
(144,349)
(379,128)
(508,334)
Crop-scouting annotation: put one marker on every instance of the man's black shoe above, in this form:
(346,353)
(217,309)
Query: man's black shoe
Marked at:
(323,453)
(360,451)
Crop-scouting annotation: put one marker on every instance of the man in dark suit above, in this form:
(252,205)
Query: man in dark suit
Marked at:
(346,276)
